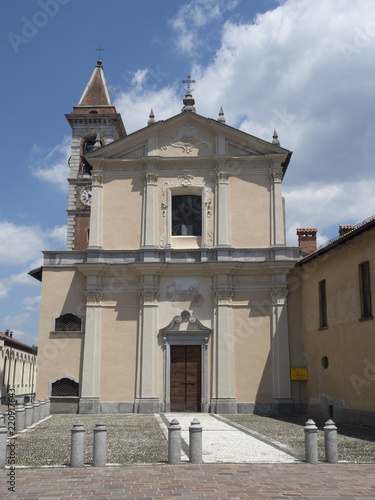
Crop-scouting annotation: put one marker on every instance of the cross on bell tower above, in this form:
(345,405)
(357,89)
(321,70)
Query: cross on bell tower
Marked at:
(100,50)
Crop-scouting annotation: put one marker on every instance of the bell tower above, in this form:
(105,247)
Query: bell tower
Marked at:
(95,123)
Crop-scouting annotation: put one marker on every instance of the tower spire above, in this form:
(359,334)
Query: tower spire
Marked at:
(96,91)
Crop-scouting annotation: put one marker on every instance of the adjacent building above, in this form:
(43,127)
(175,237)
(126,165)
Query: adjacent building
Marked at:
(17,369)
(336,287)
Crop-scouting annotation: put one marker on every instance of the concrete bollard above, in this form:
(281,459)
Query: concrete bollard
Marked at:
(77,445)
(48,407)
(174,442)
(311,442)
(330,442)
(36,412)
(195,442)
(28,415)
(3,445)
(20,419)
(42,409)
(100,445)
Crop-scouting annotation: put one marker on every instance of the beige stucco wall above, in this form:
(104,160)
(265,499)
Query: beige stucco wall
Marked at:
(250,203)
(122,213)
(348,343)
(297,356)
(59,353)
(252,344)
(118,348)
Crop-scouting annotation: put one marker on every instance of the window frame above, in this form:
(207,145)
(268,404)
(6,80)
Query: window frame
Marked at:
(192,225)
(186,185)
(323,316)
(69,332)
(365,290)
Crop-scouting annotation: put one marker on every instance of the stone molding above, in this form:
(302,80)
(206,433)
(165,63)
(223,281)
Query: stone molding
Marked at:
(69,258)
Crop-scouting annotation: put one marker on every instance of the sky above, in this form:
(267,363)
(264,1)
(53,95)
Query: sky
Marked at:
(303,67)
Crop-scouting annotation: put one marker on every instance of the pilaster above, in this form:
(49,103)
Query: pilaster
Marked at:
(277,208)
(223,383)
(223,234)
(147,390)
(282,402)
(90,389)
(149,230)
(96,218)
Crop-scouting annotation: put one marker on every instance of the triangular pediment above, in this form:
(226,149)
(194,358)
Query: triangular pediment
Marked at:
(186,135)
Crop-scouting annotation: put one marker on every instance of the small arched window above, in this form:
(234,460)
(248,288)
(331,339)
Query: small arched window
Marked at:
(68,323)
(65,387)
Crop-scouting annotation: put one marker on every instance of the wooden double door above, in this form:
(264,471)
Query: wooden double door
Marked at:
(186,383)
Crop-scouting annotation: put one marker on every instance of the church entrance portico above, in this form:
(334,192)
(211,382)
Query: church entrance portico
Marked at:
(185,364)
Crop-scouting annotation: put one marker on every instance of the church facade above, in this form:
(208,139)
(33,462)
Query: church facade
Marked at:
(172,292)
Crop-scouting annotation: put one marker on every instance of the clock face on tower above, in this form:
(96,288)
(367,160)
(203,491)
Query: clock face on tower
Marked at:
(86,196)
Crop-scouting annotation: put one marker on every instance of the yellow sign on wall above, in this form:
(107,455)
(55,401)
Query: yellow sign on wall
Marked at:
(298,373)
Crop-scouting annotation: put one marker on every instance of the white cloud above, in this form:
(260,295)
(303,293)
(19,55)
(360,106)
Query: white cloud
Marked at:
(14,321)
(135,105)
(51,165)
(192,17)
(58,233)
(22,245)
(287,70)
(19,243)
(31,303)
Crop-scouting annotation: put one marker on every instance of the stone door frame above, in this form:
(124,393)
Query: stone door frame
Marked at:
(196,334)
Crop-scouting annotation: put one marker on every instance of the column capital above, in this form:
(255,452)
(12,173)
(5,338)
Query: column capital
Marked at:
(279,296)
(222,175)
(97,178)
(276,174)
(93,296)
(149,296)
(223,297)
(151,178)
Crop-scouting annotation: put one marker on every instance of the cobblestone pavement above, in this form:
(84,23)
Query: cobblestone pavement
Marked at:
(255,481)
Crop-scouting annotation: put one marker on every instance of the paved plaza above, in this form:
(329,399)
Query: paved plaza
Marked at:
(237,464)
(193,482)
